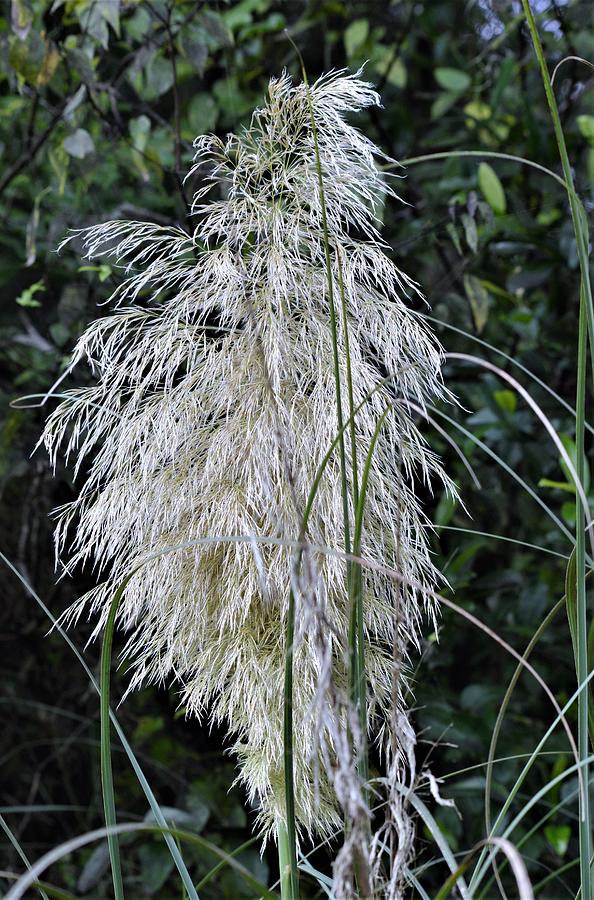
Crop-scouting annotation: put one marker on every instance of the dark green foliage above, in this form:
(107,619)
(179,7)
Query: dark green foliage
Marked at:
(99,103)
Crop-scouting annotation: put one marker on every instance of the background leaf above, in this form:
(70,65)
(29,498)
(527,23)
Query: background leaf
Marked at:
(491,188)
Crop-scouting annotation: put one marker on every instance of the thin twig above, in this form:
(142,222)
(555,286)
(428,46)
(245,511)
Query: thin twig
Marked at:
(28,155)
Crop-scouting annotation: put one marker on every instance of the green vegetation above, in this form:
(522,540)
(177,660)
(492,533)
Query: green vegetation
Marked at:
(100,101)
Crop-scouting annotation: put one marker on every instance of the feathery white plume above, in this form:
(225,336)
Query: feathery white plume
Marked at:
(193,431)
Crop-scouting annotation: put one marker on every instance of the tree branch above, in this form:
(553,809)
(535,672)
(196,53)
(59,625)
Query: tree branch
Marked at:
(34,147)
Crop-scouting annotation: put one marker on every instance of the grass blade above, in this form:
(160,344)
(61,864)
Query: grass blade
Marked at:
(19,889)
(13,840)
(585,327)
(148,792)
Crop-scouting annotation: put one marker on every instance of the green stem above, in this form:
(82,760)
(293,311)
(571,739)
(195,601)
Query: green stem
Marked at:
(285,848)
(360,684)
(286,833)
(333,324)
(349,380)
(356,623)
(106,771)
(585,825)
(288,686)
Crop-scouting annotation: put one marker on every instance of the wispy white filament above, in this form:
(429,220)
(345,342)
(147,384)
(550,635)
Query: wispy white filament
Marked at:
(192,430)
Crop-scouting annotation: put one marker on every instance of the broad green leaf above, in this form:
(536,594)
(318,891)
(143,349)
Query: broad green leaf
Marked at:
(156,866)
(493,288)
(479,301)
(75,101)
(159,78)
(60,334)
(452,79)
(79,144)
(561,762)
(202,114)
(478,112)
(393,70)
(548,216)
(11,106)
(491,188)
(216,30)
(32,226)
(453,233)
(139,129)
(146,727)
(396,74)
(82,65)
(355,35)
(231,99)
(50,63)
(445,509)
(558,837)
(26,57)
(242,13)
(586,126)
(470,232)
(95,17)
(506,73)
(197,53)
(506,400)
(59,160)
(139,24)
(442,103)
(21,18)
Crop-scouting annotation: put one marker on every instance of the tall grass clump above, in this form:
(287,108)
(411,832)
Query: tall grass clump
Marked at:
(217,421)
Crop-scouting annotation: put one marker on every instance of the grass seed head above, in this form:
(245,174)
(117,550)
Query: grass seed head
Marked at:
(190,432)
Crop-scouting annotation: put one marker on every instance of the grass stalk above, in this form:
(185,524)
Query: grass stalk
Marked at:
(586,324)
(358,681)
(106,769)
(356,643)
(571,603)
(359,688)
(585,824)
(333,326)
(285,849)
(286,833)
(349,382)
